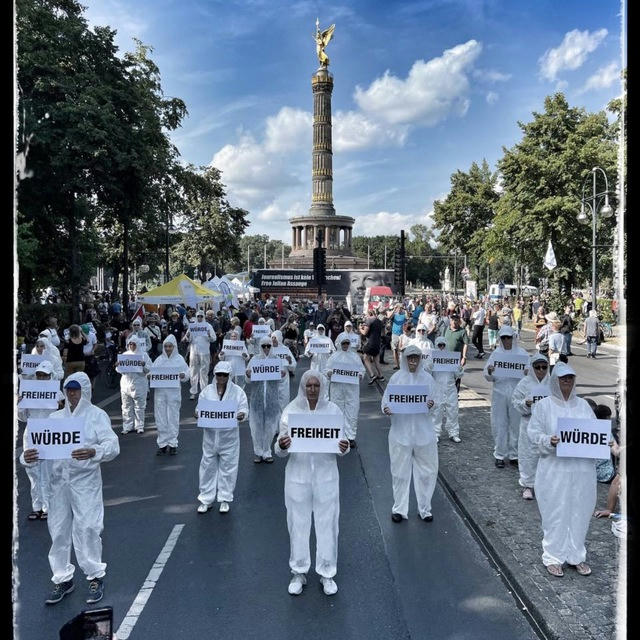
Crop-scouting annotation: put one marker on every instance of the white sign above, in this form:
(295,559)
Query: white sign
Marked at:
(315,432)
(217,414)
(319,345)
(408,398)
(445,360)
(538,392)
(55,439)
(345,373)
(39,394)
(199,329)
(164,378)
(29,363)
(260,330)
(583,438)
(265,369)
(130,363)
(233,347)
(509,366)
(354,339)
(282,353)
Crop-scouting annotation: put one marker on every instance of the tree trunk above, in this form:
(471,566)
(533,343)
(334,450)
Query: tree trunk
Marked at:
(73,280)
(116,275)
(125,267)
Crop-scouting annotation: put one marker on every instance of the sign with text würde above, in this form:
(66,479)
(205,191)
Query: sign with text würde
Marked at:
(55,439)
(583,438)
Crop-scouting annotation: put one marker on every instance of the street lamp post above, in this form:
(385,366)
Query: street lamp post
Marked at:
(593,204)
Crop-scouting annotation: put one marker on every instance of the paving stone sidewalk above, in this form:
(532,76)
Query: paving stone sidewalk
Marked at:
(568,608)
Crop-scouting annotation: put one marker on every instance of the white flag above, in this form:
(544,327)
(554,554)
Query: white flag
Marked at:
(550,258)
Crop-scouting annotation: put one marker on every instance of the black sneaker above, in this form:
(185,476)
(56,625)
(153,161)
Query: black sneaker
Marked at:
(514,463)
(59,592)
(500,464)
(352,444)
(428,518)
(96,591)
(162,450)
(396,517)
(173,451)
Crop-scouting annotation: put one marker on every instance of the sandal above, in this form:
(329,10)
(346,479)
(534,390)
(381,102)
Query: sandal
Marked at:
(582,568)
(555,570)
(34,515)
(372,379)
(43,515)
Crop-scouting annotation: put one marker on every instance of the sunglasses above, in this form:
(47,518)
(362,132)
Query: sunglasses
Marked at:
(420,330)
(220,373)
(540,367)
(266,346)
(507,338)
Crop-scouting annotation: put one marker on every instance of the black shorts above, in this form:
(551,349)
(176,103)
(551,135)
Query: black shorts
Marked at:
(371,349)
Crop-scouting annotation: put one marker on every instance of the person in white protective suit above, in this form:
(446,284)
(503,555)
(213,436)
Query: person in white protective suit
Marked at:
(523,401)
(199,335)
(319,360)
(565,487)
(353,337)
(288,363)
(505,420)
(264,407)
(445,396)
(38,474)
(238,361)
(55,348)
(412,441)
(44,348)
(133,389)
(253,345)
(167,400)
(221,447)
(137,331)
(75,500)
(345,395)
(423,342)
(311,488)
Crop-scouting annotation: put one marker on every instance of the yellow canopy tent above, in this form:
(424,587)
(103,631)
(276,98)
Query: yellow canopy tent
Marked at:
(181,289)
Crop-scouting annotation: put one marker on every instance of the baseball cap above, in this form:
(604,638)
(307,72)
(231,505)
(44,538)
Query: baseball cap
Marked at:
(73,384)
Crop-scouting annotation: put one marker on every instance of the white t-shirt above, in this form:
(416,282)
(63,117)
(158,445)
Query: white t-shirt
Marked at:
(92,340)
(478,317)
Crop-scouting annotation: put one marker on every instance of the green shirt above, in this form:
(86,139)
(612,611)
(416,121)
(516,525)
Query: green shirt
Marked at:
(455,339)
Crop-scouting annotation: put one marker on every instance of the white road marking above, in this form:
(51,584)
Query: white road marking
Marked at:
(129,622)
(103,403)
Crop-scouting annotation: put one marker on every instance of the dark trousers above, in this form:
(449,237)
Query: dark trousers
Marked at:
(476,338)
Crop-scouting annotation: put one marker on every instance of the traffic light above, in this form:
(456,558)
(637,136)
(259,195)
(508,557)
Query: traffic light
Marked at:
(397,268)
(399,265)
(320,266)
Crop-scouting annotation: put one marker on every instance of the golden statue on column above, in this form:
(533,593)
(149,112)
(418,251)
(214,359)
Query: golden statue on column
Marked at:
(322,40)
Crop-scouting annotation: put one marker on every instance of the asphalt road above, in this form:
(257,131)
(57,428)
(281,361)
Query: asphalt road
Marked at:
(226,576)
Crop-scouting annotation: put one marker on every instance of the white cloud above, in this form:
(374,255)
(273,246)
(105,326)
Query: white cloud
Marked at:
(490,75)
(603,78)
(492,97)
(432,90)
(353,131)
(561,85)
(386,223)
(250,174)
(571,54)
(288,130)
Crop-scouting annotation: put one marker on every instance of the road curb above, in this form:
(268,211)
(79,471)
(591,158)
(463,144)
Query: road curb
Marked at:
(542,613)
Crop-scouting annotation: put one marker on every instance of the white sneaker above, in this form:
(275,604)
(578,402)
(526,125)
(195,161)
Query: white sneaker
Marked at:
(139,430)
(297,582)
(455,439)
(329,586)
(224,507)
(192,397)
(203,508)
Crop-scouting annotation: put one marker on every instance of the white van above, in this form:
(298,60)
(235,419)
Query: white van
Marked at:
(510,291)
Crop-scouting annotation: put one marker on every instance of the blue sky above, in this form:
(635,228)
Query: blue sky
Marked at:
(422,88)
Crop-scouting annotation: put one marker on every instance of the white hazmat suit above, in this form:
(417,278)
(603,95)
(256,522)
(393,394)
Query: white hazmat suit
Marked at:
(133,390)
(445,396)
(319,360)
(311,488)
(528,453)
(200,334)
(354,338)
(221,447)
(238,362)
(412,443)
(288,363)
(565,487)
(50,354)
(75,503)
(264,406)
(166,400)
(505,420)
(345,395)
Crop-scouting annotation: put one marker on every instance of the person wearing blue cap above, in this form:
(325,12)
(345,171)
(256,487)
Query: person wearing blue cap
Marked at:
(76,508)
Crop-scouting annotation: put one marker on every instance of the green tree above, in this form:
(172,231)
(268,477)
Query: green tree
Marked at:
(423,272)
(464,217)
(542,178)
(375,245)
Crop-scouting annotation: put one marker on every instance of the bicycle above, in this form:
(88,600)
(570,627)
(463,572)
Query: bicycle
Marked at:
(607,329)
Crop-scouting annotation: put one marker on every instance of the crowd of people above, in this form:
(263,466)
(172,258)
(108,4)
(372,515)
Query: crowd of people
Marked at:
(224,345)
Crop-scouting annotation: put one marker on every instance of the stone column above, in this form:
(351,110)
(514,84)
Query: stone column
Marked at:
(326,236)
(349,231)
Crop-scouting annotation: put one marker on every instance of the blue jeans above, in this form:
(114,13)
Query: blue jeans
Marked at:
(566,343)
(592,345)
